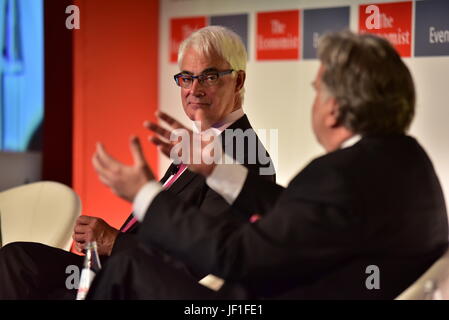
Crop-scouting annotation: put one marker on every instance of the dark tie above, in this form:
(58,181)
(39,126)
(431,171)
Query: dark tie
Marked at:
(176,171)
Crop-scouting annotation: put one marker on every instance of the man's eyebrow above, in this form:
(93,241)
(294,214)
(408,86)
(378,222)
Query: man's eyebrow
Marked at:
(209,70)
(213,69)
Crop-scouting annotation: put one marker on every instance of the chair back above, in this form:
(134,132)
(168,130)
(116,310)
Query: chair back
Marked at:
(43,212)
(432,285)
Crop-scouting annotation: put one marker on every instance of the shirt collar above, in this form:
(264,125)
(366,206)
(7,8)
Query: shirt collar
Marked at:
(228,120)
(224,123)
(351,141)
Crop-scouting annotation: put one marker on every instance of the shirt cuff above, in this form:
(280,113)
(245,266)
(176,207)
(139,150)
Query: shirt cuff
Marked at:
(144,198)
(227,179)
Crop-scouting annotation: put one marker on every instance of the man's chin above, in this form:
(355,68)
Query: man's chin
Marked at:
(199,115)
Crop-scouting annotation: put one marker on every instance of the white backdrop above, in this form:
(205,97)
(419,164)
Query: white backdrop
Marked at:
(279,94)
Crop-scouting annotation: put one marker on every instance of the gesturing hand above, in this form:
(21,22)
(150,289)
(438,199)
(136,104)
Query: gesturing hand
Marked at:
(191,153)
(94,229)
(125,181)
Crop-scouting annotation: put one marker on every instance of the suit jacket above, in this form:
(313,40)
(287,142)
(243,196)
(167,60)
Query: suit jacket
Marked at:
(192,187)
(377,204)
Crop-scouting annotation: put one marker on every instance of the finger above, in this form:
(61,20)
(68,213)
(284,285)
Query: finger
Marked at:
(88,220)
(96,162)
(165,147)
(160,142)
(105,160)
(172,122)
(104,174)
(136,151)
(100,165)
(80,237)
(81,228)
(98,224)
(105,177)
(80,247)
(85,236)
(107,182)
(83,220)
(158,129)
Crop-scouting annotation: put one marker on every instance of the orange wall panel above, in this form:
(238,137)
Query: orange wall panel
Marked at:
(115,90)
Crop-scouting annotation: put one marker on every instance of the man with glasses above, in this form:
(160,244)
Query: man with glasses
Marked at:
(212,62)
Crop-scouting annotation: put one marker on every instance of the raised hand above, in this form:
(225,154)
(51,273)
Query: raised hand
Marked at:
(125,181)
(193,150)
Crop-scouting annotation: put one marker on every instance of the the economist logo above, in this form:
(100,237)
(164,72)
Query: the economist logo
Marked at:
(278,35)
(180,29)
(390,20)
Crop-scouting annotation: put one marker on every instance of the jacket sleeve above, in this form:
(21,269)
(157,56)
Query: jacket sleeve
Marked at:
(297,234)
(124,241)
(258,195)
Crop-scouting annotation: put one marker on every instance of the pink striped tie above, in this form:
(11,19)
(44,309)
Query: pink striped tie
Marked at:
(166,185)
(254,218)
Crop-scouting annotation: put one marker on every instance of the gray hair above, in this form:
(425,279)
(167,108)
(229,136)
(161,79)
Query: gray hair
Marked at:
(220,40)
(371,84)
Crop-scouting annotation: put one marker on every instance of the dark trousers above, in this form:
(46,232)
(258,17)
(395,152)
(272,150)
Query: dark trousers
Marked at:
(138,273)
(35,271)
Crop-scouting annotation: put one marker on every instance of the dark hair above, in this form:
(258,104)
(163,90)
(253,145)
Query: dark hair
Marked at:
(371,84)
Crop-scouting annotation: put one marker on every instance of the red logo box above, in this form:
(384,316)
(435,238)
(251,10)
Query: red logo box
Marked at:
(278,35)
(180,29)
(390,20)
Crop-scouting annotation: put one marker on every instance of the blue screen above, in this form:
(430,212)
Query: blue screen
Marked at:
(21,74)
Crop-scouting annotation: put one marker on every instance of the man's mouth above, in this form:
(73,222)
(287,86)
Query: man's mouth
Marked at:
(198,105)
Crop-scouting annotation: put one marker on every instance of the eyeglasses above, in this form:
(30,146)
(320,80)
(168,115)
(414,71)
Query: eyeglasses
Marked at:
(208,79)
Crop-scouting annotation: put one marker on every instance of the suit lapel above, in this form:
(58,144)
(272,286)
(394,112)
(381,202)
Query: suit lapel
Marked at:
(183,180)
(167,173)
(242,123)
(162,181)
(130,217)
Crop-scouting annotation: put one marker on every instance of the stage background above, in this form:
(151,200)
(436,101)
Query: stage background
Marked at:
(103,80)
(279,93)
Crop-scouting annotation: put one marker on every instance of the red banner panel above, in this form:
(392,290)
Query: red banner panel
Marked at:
(180,29)
(111,103)
(390,20)
(278,35)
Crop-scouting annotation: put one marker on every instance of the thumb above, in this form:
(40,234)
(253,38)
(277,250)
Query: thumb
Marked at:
(136,151)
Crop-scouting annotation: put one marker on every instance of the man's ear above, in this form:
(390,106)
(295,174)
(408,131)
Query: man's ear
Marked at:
(241,76)
(333,113)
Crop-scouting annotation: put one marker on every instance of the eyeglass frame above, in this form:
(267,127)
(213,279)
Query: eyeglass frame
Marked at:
(201,78)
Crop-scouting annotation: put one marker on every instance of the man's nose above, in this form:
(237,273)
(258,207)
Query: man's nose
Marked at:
(197,88)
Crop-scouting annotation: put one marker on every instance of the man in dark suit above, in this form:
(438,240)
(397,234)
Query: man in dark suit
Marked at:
(36,271)
(361,222)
